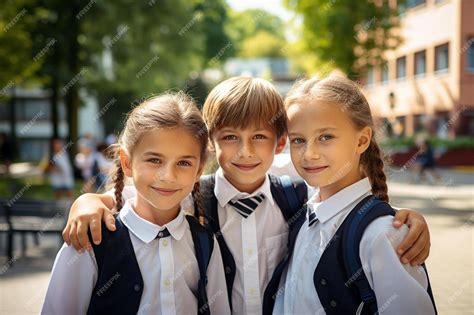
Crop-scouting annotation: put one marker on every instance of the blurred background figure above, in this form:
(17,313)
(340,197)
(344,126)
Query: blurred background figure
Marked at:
(426,162)
(60,171)
(84,160)
(101,167)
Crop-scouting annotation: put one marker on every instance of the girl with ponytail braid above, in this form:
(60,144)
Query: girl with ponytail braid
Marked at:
(333,147)
(160,259)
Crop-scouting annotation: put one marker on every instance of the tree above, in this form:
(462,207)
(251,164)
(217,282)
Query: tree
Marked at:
(347,33)
(245,28)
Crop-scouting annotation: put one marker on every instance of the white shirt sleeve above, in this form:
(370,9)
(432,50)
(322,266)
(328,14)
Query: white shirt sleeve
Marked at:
(216,285)
(72,281)
(399,288)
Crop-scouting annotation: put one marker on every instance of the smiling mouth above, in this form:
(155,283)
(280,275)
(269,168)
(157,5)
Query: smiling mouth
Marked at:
(164,191)
(314,170)
(246,167)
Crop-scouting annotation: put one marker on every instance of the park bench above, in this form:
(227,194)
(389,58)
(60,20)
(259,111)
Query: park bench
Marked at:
(36,217)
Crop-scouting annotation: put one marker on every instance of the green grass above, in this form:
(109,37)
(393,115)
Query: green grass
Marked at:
(30,188)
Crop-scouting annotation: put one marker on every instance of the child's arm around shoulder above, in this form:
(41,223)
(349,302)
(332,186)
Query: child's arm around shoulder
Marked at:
(87,212)
(216,286)
(73,279)
(399,288)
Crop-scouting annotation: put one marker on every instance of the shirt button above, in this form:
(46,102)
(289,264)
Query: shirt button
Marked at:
(323,282)
(136,287)
(228,270)
(165,243)
(333,303)
(252,291)
(167,282)
(249,251)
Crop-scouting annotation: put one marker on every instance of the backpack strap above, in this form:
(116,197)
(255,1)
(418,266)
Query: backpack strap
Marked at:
(290,195)
(207,184)
(204,245)
(366,211)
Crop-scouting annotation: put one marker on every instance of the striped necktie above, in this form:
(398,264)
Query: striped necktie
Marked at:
(312,219)
(247,205)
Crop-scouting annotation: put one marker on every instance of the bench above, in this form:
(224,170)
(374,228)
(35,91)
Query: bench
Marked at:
(37,217)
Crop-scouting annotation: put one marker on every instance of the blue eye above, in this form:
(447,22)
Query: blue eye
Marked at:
(297,141)
(154,161)
(260,137)
(230,137)
(324,138)
(184,163)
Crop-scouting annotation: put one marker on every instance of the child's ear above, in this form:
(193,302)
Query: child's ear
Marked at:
(281,143)
(365,136)
(125,161)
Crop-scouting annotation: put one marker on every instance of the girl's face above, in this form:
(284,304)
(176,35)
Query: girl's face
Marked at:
(325,147)
(165,164)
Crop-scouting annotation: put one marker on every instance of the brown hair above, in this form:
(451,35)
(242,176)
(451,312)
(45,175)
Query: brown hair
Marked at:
(240,102)
(348,95)
(168,110)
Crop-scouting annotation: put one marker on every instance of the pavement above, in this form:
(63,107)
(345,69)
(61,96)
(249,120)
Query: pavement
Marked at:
(448,206)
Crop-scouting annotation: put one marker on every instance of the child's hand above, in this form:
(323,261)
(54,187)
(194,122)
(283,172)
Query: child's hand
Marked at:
(415,248)
(88,211)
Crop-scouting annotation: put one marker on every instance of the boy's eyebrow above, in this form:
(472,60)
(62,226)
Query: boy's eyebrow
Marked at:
(317,130)
(151,153)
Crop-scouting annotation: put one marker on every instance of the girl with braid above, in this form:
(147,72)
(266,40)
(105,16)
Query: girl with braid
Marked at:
(156,261)
(348,222)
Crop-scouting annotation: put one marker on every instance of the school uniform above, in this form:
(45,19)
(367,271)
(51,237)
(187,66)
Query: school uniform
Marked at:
(399,289)
(168,267)
(257,242)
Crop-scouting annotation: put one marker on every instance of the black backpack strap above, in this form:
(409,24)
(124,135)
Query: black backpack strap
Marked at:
(207,184)
(369,209)
(273,288)
(290,195)
(204,245)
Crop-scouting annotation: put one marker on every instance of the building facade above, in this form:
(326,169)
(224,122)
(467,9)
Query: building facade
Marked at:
(427,83)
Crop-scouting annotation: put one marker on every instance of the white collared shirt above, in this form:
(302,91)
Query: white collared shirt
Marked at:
(257,243)
(168,266)
(400,289)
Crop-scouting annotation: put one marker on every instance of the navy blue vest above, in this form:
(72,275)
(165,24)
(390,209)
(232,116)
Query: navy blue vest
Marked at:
(336,291)
(119,285)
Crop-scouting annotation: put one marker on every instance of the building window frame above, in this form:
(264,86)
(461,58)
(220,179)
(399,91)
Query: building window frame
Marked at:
(437,67)
(398,75)
(469,49)
(415,64)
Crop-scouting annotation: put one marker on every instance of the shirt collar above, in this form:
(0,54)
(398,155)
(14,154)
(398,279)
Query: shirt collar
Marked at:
(147,231)
(328,208)
(226,192)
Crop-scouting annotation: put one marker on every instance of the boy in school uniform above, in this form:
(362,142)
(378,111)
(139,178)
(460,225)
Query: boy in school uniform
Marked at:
(247,127)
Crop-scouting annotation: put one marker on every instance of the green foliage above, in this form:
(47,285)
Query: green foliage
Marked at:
(246,28)
(345,32)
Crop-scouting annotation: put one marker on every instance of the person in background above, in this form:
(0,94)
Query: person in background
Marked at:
(60,170)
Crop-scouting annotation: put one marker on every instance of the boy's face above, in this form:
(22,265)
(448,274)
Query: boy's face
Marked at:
(245,155)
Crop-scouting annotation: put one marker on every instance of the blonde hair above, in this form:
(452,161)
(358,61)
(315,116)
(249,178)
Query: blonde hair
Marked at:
(168,110)
(240,102)
(348,95)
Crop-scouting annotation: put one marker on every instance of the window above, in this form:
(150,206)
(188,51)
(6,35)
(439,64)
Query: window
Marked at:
(470,55)
(384,76)
(370,76)
(420,63)
(401,67)
(442,58)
